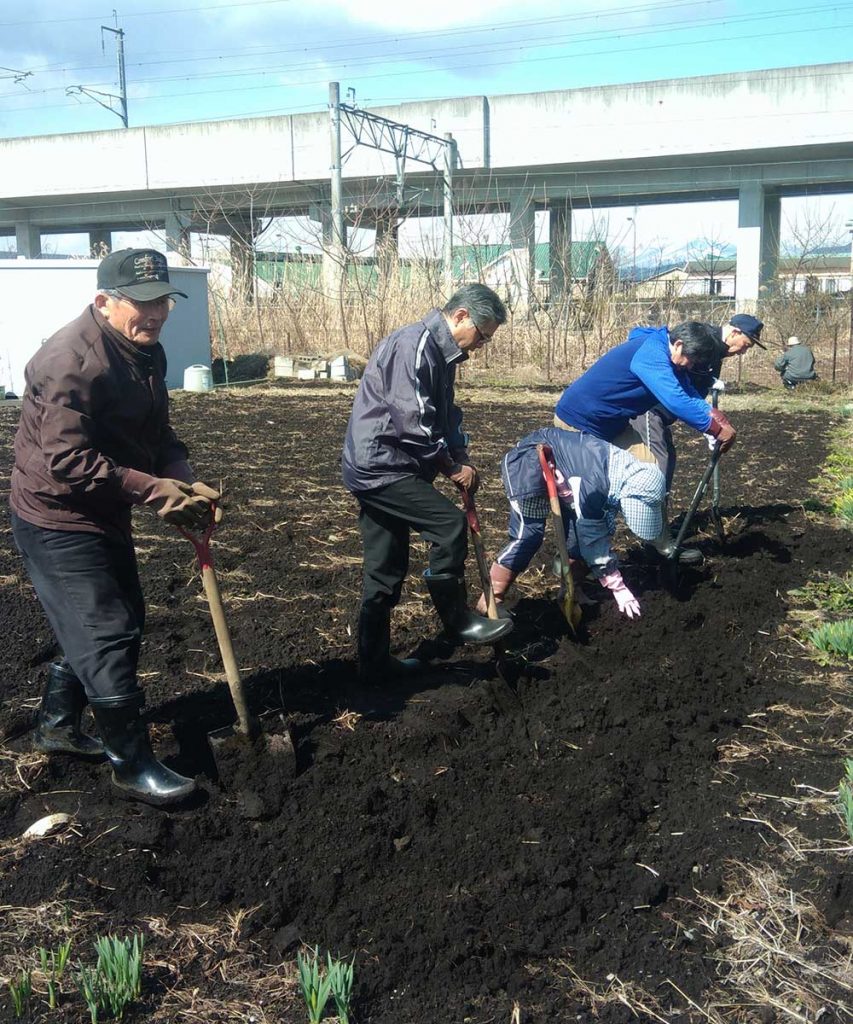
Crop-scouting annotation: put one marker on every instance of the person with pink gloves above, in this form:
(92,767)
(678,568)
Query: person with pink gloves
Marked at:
(595,482)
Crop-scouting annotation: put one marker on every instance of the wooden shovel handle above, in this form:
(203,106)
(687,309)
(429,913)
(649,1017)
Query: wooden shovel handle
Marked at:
(479,551)
(245,722)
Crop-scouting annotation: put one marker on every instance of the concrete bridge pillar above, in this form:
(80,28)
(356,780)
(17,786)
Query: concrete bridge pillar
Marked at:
(522,241)
(28,239)
(178,235)
(334,254)
(757,243)
(100,243)
(560,251)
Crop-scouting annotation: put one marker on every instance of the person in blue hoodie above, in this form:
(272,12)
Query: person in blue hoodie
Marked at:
(736,336)
(651,368)
(595,482)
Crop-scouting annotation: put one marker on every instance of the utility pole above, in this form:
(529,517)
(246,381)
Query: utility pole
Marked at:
(94,94)
(450,160)
(403,143)
(335,269)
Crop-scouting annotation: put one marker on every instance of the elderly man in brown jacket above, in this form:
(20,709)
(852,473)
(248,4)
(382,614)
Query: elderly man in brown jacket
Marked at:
(94,439)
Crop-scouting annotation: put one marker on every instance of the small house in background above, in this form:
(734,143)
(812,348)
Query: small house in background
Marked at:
(828,274)
(708,277)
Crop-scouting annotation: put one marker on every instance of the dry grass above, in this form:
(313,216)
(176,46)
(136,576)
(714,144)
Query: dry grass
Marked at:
(641,1003)
(773,949)
(20,770)
(247,987)
(204,972)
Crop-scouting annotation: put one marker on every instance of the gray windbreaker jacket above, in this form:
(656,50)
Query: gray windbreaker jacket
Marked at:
(405,421)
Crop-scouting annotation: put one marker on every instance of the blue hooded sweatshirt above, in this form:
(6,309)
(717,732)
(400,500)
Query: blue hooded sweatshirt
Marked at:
(626,382)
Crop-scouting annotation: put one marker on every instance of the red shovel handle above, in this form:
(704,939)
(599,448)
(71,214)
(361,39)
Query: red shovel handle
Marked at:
(546,462)
(470,510)
(202,543)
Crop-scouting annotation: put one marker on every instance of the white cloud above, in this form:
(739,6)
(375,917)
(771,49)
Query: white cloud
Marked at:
(440,14)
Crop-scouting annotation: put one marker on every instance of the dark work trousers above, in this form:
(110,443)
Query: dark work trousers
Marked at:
(387,516)
(88,586)
(657,436)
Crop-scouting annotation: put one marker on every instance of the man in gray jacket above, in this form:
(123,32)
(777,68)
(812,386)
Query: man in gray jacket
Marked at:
(404,430)
(796,364)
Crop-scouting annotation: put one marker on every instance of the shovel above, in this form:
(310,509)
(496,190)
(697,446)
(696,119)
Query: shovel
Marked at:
(501,664)
(716,517)
(237,747)
(570,608)
(672,558)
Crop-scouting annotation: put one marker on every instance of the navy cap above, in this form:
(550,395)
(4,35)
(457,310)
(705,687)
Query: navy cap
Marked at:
(141,274)
(750,326)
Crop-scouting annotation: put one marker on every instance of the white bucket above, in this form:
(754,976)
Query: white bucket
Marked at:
(198,378)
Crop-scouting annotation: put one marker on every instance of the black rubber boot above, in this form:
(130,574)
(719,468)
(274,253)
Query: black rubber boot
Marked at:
(662,549)
(375,662)
(58,721)
(450,597)
(136,771)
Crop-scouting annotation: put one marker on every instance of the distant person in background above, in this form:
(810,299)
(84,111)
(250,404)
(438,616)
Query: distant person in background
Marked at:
(796,364)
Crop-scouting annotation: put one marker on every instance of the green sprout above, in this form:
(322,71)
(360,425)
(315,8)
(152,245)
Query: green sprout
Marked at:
(53,967)
(118,972)
(87,986)
(834,639)
(340,975)
(845,796)
(21,991)
(116,980)
(314,984)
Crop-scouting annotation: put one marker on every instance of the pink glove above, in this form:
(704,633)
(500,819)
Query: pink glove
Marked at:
(564,492)
(627,603)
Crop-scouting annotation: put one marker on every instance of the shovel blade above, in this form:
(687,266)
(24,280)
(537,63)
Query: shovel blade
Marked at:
(572,611)
(255,769)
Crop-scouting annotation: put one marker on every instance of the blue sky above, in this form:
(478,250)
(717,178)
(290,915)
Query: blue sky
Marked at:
(192,60)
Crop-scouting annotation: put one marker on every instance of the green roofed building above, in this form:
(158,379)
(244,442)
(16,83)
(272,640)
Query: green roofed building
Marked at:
(497,265)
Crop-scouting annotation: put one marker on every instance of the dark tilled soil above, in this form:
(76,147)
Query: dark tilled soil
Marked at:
(463,838)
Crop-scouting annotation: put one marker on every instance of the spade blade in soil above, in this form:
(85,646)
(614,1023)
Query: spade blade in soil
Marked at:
(260,764)
(719,528)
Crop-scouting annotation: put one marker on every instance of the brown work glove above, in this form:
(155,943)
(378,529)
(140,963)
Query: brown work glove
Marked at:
(722,430)
(183,504)
(464,475)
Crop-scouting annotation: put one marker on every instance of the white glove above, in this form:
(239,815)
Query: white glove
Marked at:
(625,600)
(718,385)
(712,441)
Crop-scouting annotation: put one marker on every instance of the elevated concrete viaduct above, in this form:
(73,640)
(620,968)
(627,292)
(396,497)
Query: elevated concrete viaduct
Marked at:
(752,136)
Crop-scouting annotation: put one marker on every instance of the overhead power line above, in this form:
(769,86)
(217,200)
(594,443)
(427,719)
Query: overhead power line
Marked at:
(369,61)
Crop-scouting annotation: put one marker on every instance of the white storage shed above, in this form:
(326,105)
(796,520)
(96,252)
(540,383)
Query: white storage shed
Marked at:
(37,297)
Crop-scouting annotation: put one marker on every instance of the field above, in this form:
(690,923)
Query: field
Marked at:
(644,828)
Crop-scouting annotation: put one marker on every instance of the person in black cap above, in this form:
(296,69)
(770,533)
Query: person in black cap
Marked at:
(94,440)
(736,336)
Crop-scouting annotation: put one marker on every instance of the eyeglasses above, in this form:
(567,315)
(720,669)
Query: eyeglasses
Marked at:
(150,305)
(480,335)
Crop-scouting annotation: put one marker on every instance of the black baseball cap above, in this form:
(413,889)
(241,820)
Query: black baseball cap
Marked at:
(141,274)
(751,326)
